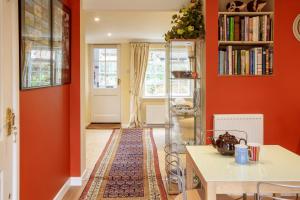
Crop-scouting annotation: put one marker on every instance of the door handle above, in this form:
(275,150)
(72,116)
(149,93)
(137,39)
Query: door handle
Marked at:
(119,81)
(10,121)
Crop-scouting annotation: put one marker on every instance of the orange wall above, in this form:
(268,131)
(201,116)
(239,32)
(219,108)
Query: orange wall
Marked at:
(277,97)
(44,137)
(50,130)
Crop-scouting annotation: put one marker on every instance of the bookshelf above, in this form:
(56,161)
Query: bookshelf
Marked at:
(245,41)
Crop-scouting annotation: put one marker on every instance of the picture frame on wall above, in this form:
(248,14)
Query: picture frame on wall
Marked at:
(61,43)
(35,44)
(45,43)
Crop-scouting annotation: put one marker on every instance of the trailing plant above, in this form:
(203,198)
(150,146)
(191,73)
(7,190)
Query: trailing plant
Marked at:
(188,23)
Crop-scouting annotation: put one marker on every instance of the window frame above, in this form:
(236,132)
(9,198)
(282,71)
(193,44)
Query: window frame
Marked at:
(91,63)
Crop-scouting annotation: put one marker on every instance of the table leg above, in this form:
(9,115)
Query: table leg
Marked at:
(210,192)
(189,173)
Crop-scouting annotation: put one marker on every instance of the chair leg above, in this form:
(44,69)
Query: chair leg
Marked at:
(256,196)
(244,196)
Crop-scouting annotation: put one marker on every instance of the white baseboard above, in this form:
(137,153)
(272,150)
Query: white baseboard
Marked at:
(77,181)
(60,195)
(125,125)
(72,181)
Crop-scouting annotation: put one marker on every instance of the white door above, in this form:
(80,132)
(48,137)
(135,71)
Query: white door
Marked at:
(105,85)
(9,89)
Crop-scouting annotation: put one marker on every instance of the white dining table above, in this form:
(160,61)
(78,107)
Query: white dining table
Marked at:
(221,175)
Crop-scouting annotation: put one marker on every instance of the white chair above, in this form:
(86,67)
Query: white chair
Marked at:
(261,196)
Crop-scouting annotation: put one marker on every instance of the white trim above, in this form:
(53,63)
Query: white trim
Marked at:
(72,181)
(77,181)
(61,193)
(123,125)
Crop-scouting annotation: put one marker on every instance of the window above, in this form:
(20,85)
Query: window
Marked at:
(155,79)
(105,67)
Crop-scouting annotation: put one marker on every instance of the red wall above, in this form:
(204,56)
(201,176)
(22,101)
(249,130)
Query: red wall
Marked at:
(44,137)
(277,97)
(50,130)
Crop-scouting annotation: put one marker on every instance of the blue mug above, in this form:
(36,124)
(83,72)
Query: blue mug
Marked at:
(241,154)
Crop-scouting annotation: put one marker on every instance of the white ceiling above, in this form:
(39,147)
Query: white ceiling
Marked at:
(126,26)
(140,5)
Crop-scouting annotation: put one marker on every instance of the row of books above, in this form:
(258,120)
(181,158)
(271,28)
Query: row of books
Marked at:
(245,28)
(254,61)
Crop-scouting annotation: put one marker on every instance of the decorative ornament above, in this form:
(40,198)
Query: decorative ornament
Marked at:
(256,5)
(236,6)
(296,27)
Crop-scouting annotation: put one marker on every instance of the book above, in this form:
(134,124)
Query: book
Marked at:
(255,32)
(239,62)
(267,62)
(246,26)
(243,62)
(255,62)
(237,28)
(250,28)
(243,31)
(259,61)
(247,64)
(264,55)
(271,61)
(227,29)
(231,29)
(229,70)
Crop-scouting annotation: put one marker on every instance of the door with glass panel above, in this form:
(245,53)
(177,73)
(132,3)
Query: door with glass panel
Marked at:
(105,84)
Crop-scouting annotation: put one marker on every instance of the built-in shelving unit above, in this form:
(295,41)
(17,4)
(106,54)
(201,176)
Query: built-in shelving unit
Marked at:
(245,41)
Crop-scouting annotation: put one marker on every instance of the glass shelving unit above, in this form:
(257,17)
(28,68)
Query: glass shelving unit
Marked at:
(185,101)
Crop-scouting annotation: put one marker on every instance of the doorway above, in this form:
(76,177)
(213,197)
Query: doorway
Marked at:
(105,84)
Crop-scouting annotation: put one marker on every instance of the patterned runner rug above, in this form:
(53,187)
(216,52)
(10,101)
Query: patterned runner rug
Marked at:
(127,169)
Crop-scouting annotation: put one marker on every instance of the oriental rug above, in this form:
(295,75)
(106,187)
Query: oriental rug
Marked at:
(127,169)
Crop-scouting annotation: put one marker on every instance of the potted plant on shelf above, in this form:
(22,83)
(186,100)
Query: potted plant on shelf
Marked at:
(188,23)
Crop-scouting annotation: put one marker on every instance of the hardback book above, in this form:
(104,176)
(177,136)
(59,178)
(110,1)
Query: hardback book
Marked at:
(246,28)
(259,60)
(233,62)
(252,61)
(239,62)
(267,62)
(264,56)
(220,28)
(227,29)
(243,31)
(237,28)
(229,70)
(271,61)
(221,62)
(255,61)
(265,38)
(243,62)
(231,29)
(224,28)
(250,28)
(255,35)
(247,59)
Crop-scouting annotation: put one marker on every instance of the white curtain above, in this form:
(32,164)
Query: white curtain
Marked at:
(138,66)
